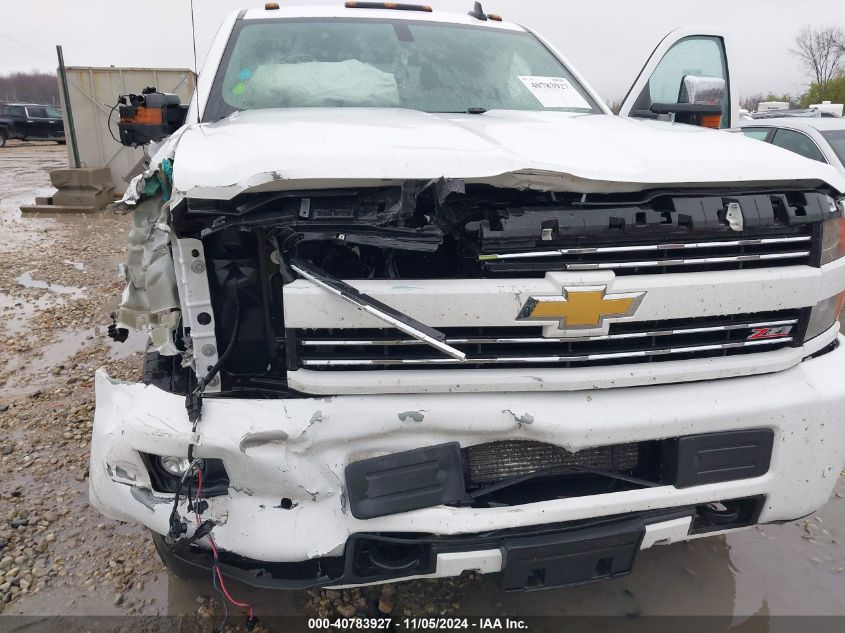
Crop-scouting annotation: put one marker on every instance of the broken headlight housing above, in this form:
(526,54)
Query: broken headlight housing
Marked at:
(824,315)
(833,233)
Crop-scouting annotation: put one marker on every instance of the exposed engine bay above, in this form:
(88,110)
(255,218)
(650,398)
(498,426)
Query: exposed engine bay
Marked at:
(256,243)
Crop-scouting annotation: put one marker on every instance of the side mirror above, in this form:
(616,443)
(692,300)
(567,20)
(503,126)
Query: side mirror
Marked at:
(702,90)
(700,102)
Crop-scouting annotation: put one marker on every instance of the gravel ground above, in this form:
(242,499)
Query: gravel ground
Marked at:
(59,556)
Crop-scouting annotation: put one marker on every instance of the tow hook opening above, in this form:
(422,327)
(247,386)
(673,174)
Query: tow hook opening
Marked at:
(390,558)
(378,558)
(727,515)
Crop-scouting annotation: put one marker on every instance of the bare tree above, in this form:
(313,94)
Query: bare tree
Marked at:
(821,52)
(840,42)
(34,86)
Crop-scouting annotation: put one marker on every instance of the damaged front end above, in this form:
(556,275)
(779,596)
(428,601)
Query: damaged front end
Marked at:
(236,290)
(288,377)
(205,278)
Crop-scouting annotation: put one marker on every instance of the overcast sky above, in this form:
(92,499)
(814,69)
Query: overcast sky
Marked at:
(607,40)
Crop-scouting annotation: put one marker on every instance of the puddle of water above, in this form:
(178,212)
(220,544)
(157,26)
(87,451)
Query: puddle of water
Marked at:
(24,174)
(26,280)
(32,372)
(16,312)
(136,342)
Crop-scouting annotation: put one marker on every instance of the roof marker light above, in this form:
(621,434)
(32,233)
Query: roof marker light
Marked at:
(271,6)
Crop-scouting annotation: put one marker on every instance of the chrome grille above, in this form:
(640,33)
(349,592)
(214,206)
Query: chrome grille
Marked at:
(643,342)
(650,258)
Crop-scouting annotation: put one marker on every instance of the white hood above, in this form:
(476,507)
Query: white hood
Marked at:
(297,148)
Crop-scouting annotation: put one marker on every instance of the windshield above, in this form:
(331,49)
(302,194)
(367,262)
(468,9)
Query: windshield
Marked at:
(836,139)
(426,66)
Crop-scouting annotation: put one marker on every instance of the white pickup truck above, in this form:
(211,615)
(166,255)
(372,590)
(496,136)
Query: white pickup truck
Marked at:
(418,303)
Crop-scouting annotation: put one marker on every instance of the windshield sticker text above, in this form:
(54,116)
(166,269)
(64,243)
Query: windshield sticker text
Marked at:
(554,92)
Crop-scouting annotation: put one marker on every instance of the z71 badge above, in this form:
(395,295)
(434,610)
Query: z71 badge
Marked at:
(759,333)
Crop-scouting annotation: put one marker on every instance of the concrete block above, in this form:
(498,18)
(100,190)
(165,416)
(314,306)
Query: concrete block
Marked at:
(86,187)
(81,178)
(83,197)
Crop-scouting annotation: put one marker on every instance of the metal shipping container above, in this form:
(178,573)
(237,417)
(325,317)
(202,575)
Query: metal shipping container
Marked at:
(93,95)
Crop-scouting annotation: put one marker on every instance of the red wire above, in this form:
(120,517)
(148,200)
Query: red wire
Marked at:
(244,605)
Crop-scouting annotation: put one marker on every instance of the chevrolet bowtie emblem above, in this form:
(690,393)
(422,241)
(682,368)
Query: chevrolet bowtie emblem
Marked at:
(583,307)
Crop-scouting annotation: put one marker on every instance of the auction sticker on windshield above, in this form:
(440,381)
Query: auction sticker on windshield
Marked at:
(554,92)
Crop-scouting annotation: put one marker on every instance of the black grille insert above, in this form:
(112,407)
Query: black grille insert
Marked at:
(495,461)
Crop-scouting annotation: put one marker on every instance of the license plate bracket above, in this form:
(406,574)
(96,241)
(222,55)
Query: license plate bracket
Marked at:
(566,559)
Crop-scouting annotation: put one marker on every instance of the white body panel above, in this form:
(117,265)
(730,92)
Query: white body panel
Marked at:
(276,149)
(496,302)
(299,449)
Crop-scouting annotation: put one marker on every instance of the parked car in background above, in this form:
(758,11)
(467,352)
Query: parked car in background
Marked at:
(819,138)
(30,122)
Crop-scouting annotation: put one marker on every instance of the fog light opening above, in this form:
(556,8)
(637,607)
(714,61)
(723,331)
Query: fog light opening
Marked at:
(173,465)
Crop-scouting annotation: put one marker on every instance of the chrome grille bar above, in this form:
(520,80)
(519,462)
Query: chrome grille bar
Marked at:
(521,340)
(669,246)
(543,359)
(686,262)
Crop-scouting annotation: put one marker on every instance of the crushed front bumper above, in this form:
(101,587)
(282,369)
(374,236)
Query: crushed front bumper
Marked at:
(286,459)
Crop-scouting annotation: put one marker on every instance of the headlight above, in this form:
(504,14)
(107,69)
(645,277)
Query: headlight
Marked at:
(833,240)
(824,315)
(833,232)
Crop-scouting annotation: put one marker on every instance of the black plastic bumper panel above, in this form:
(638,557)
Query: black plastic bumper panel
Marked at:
(717,457)
(406,481)
(571,558)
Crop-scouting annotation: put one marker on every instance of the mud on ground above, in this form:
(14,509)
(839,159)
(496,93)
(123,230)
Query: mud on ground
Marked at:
(59,556)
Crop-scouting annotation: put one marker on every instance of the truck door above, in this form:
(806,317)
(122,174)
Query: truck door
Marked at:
(686,80)
(17,117)
(37,122)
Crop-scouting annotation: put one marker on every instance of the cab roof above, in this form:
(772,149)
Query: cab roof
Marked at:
(341,11)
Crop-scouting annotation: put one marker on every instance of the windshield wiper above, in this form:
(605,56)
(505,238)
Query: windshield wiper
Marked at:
(473,110)
(513,481)
(394,318)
